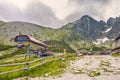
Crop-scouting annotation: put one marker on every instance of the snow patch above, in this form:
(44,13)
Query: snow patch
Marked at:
(101,40)
(105,39)
(107,30)
(96,42)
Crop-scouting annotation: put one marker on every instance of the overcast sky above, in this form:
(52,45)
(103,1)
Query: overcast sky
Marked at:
(56,13)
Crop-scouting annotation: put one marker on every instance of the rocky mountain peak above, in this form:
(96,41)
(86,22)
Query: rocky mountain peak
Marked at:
(86,16)
(111,21)
(102,22)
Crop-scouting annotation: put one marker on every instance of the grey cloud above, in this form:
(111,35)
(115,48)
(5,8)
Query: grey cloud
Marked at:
(89,2)
(9,12)
(94,8)
(41,14)
(35,12)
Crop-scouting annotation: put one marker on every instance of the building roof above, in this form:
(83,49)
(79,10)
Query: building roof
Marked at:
(117,38)
(37,42)
(116,48)
(24,38)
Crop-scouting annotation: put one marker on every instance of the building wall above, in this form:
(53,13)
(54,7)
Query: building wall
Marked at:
(116,44)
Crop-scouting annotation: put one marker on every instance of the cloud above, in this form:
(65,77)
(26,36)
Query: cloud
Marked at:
(99,9)
(60,8)
(54,13)
(91,1)
(9,12)
(41,14)
(36,12)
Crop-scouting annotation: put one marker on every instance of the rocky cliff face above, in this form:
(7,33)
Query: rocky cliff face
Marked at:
(115,24)
(89,27)
(98,31)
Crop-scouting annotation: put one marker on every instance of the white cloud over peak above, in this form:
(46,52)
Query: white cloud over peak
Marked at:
(61,8)
(55,13)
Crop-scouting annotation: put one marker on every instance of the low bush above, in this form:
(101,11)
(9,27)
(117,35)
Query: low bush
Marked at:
(94,73)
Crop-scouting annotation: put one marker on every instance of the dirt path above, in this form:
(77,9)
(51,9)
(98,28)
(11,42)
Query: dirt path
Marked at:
(103,67)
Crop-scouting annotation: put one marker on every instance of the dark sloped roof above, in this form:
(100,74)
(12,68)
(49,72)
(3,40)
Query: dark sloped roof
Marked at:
(116,48)
(37,42)
(23,38)
(117,38)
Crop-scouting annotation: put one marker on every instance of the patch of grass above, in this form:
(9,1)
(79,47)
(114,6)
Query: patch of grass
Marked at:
(2,23)
(16,59)
(116,54)
(4,47)
(9,68)
(103,63)
(95,48)
(48,69)
(93,73)
(19,51)
(80,71)
(58,46)
(70,57)
(106,70)
(57,72)
(13,75)
(52,68)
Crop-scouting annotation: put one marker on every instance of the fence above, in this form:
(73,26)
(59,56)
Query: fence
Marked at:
(26,65)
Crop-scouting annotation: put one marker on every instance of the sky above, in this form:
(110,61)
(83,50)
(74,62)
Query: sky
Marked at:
(56,13)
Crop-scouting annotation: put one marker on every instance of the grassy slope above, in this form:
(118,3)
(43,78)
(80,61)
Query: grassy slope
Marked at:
(50,68)
(58,46)
(4,47)
(9,30)
(116,54)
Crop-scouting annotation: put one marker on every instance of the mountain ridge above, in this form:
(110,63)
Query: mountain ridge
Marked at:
(77,33)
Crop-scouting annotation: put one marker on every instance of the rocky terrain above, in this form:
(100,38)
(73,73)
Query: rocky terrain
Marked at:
(90,68)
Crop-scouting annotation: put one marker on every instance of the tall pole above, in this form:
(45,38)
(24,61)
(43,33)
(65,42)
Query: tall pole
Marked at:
(28,50)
